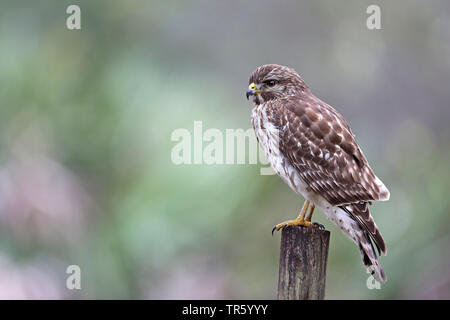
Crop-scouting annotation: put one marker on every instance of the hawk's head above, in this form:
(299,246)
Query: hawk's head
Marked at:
(272,81)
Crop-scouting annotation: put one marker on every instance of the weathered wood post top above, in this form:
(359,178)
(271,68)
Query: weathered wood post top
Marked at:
(303,263)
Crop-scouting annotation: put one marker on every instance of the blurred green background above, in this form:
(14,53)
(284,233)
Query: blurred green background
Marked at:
(86,117)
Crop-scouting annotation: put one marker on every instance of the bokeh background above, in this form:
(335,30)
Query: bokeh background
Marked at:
(86,118)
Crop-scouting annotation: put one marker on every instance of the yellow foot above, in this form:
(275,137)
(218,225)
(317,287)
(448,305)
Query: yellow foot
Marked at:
(297,222)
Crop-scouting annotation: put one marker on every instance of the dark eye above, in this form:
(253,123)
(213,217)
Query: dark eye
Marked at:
(270,83)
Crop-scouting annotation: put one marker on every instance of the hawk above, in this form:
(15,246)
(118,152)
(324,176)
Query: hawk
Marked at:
(312,148)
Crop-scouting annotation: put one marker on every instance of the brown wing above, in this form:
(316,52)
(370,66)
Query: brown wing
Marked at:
(320,145)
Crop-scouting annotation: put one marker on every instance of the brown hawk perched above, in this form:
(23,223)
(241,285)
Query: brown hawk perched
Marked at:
(312,148)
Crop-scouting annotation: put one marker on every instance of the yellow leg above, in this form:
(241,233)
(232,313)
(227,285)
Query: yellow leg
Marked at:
(310,213)
(300,220)
(301,216)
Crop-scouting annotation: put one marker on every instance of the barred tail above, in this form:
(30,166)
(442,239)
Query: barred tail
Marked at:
(369,256)
(360,213)
(363,232)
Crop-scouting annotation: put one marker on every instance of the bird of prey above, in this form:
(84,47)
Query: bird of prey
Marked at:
(312,148)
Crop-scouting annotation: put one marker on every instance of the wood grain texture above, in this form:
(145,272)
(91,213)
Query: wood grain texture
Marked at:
(303,263)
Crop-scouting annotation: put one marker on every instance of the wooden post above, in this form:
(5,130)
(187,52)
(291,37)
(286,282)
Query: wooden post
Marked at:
(303,263)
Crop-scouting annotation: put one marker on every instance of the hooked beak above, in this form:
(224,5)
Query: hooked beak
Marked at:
(249,93)
(251,90)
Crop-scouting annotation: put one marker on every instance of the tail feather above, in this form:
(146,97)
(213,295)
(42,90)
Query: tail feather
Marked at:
(360,212)
(363,230)
(369,257)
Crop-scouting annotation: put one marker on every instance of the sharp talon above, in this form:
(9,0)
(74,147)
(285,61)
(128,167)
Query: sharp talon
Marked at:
(320,226)
(273,229)
(284,226)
